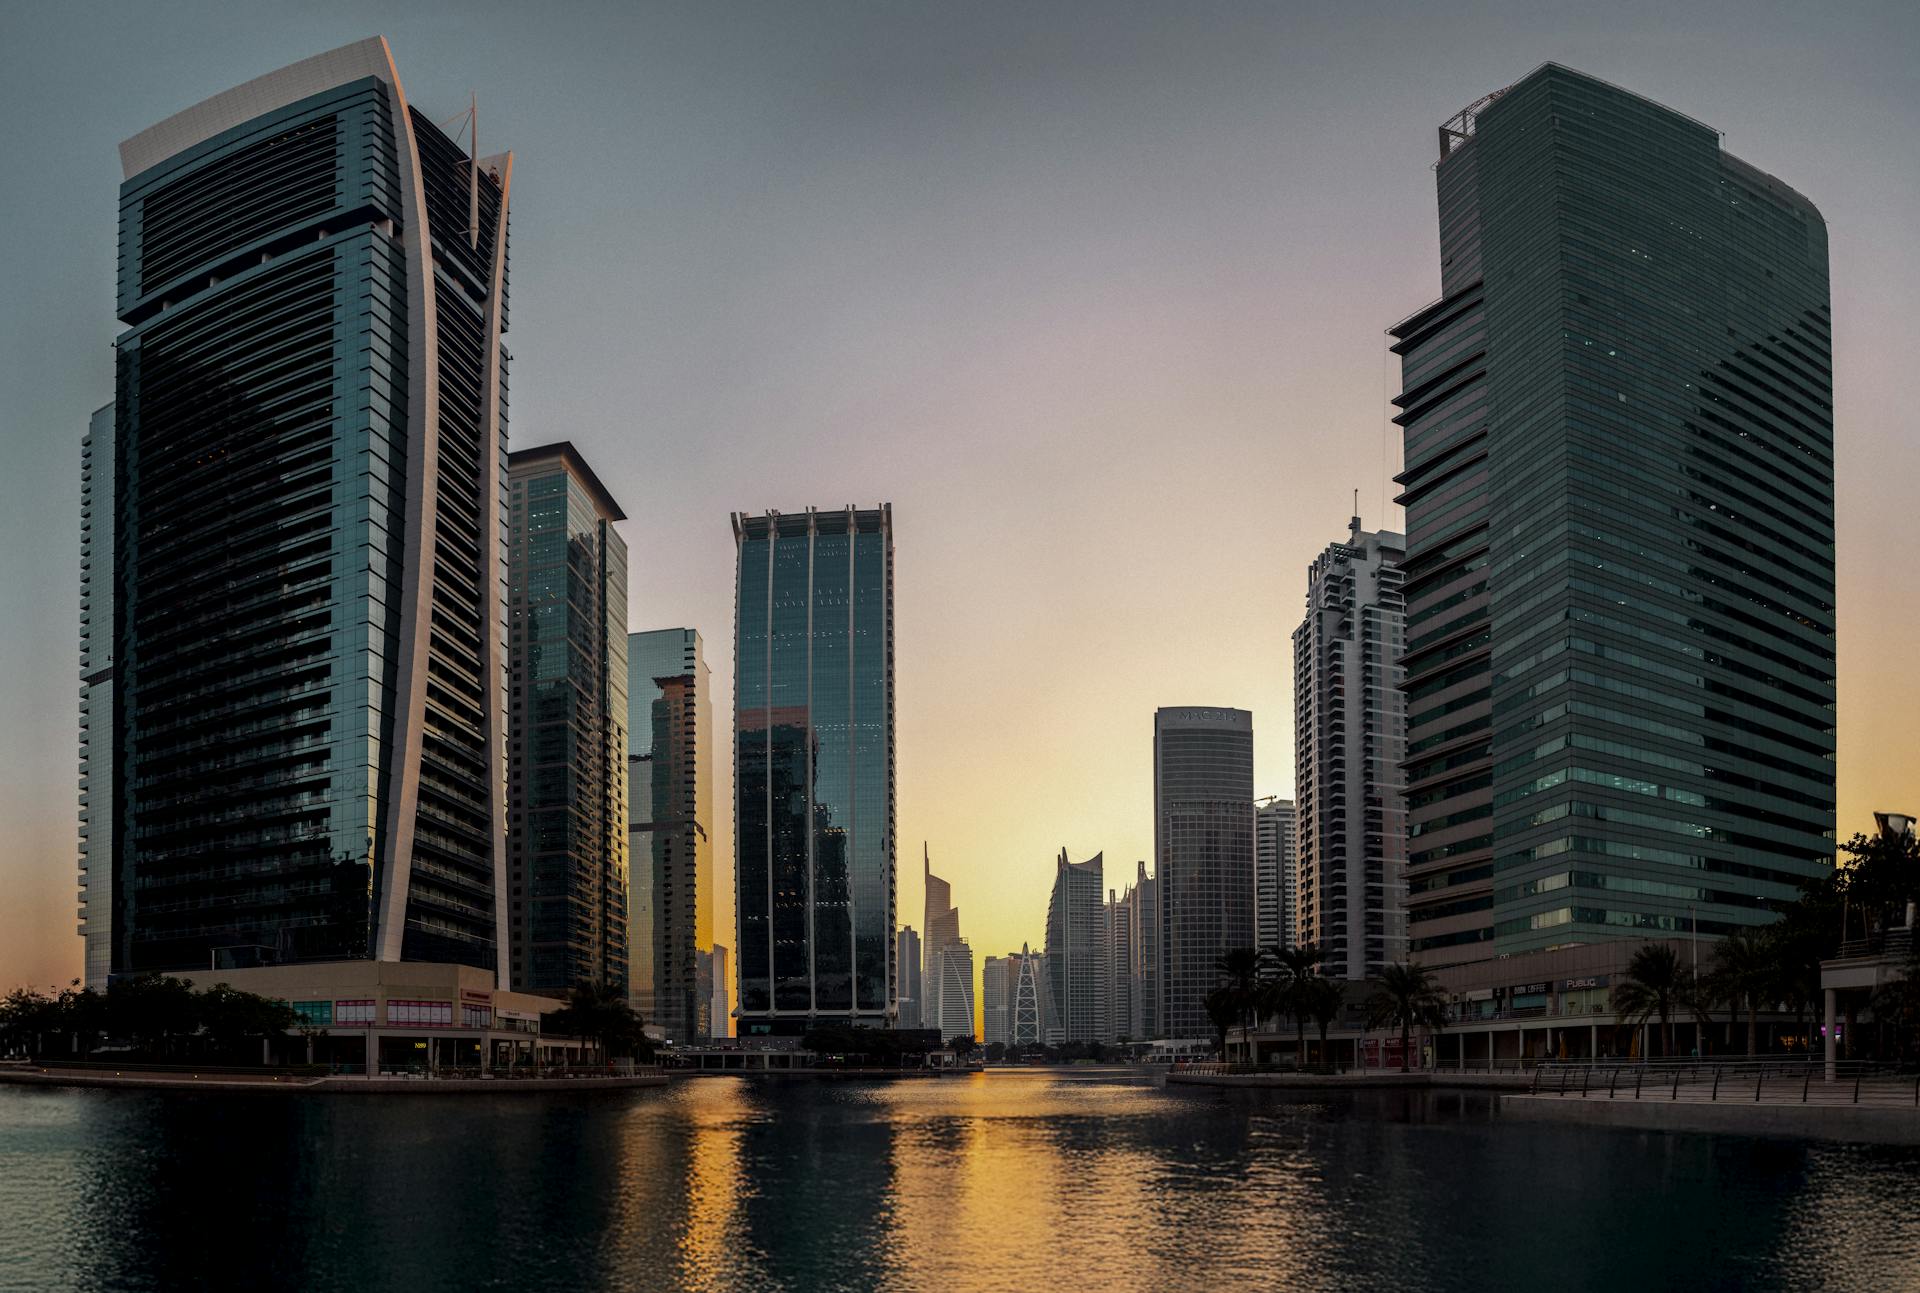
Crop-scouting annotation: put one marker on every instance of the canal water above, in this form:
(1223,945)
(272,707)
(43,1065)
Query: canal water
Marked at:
(1025,1180)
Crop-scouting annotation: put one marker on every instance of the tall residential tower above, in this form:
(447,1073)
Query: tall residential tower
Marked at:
(309,575)
(97,754)
(1350,734)
(814,774)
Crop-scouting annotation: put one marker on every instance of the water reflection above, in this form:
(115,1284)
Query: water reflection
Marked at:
(1001,1181)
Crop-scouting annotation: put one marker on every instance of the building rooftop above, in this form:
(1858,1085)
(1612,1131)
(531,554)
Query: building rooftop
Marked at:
(563,452)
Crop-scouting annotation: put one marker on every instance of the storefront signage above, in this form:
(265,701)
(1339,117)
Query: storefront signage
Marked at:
(478,998)
(1529,990)
(1593,981)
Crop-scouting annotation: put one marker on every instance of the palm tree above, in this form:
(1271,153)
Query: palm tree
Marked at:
(1322,1000)
(1240,971)
(1653,985)
(1223,1008)
(1745,968)
(1406,996)
(1293,966)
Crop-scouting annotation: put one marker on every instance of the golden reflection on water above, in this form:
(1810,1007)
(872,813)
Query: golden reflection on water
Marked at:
(714,1188)
(987,1181)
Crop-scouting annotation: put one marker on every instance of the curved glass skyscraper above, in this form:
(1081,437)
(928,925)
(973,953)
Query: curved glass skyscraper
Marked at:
(813,782)
(1620,565)
(309,581)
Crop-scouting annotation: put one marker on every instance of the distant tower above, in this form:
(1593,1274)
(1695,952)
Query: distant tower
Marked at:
(670,787)
(956,990)
(1143,917)
(1203,841)
(1118,970)
(995,999)
(1029,1026)
(912,995)
(942,931)
(1077,950)
(1273,873)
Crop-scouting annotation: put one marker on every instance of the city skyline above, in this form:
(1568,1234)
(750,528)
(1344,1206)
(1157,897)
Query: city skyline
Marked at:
(1002,872)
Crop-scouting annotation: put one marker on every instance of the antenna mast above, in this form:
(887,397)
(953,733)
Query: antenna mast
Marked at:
(473,171)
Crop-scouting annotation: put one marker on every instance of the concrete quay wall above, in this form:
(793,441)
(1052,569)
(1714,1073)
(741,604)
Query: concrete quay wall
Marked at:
(1865,1124)
(1358,1081)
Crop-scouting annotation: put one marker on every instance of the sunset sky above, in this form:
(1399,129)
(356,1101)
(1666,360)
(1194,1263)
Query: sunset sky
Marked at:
(1094,295)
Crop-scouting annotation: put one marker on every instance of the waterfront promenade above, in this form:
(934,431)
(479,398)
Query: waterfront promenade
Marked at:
(215,1078)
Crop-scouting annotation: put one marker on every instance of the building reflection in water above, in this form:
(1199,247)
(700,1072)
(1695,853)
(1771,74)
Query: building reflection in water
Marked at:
(1007,1180)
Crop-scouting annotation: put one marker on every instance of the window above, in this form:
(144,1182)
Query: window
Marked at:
(476,1016)
(419,1014)
(353,1012)
(314,1014)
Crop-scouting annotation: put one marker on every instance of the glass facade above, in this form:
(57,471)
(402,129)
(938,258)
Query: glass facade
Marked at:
(1077,964)
(1620,569)
(943,930)
(308,583)
(814,777)
(567,753)
(1203,848)
(670,764)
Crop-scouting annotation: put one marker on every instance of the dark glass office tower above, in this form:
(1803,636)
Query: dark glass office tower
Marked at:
(1619,492)
(1203,854)
(567,729)
(814,776)
(309,573)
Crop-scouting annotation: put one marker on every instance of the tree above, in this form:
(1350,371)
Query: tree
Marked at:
(1322,1000)
(1405,996)
(150,1010)
(229,1016)
(1745,970)
(1876,881)
(599,1013)
(963,1046)
(27,1017)
(1239,970)
(1898,1001)
(996,1052)
(1293,967)
(1653,985)
(1223,1009)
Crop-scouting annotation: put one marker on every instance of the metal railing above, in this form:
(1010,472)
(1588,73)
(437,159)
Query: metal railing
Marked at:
(1752,1080)
(1891,942)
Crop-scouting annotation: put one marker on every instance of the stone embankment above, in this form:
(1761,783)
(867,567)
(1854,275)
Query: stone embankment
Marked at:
(1864,1124)
(1368,1081)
